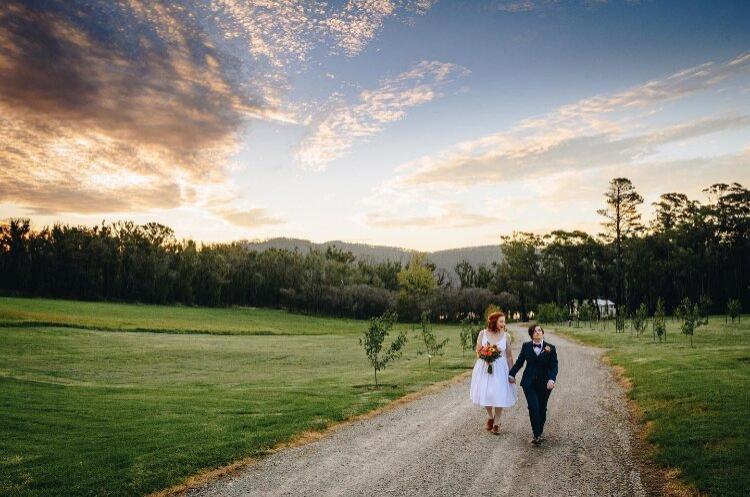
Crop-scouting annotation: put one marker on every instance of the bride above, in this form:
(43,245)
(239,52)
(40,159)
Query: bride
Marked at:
(493,391)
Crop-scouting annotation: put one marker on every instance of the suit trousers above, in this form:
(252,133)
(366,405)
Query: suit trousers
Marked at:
(537,396)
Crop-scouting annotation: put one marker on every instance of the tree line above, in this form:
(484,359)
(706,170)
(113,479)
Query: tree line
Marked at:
(127,262)
(699,251)
(688,249)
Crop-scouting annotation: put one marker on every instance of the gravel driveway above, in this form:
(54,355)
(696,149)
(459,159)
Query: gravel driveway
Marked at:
(437,445)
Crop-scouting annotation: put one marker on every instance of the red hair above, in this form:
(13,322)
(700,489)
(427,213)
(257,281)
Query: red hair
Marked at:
(492,320)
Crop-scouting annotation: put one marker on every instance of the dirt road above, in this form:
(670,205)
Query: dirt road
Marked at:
(437,445)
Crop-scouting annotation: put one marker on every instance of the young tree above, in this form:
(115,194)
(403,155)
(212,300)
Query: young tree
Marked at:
(620,317)
(432,347)
(659,326)
(640,319)
(593,313)
(584,312)
(734,309)
(468,334)
(372,341)
(622,221)
(690,315)
(704,306)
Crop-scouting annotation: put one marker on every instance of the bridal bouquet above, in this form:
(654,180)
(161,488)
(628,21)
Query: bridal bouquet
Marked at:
(488,353)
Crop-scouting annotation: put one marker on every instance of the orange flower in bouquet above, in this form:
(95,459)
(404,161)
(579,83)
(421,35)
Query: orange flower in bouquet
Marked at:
(488,353)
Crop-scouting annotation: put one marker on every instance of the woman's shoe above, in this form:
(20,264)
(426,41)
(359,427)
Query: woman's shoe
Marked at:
(488,424)
(496,430)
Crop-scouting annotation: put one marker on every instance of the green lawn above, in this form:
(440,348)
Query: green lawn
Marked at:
(89,412)
(697,400)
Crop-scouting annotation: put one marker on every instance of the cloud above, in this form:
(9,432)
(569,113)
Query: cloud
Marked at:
(516,6)
(359,21)
(137,105)
(337,131)
(592,132)
(523,160)
(251,218)
(566,157)
(115,107)
(447,215)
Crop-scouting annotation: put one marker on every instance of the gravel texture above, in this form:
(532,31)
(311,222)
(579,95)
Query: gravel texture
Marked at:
(437,445)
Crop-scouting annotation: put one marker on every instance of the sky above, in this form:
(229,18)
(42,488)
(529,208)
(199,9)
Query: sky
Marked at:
(414,123)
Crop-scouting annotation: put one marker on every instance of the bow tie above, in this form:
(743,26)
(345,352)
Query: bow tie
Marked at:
(537,345)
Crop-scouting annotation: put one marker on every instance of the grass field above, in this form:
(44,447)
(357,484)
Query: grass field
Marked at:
(696,401)
(161,318)
(89,412)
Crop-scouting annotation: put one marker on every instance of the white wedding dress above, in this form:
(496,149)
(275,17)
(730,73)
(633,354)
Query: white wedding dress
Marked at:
(493,389)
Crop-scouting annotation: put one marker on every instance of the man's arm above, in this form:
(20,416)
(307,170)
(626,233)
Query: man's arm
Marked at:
(553,365)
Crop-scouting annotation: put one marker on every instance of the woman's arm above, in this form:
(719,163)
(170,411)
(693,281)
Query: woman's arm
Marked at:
(479,343)
(509,357)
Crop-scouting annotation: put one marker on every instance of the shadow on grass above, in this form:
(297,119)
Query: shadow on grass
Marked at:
(381,386)
(457,366)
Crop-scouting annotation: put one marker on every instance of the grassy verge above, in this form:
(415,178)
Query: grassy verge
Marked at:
(695,400)
(87,412)
(106,316)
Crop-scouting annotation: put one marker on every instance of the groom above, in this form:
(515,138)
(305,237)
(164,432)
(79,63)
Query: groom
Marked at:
(538,378)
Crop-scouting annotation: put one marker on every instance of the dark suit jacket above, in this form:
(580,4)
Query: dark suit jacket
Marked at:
(539,369)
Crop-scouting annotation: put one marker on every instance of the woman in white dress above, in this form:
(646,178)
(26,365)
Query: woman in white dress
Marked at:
(493,391)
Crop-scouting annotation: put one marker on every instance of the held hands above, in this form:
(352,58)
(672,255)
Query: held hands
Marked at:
(511,379)
(550,385)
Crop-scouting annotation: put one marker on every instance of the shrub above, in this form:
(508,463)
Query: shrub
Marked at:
(551,313)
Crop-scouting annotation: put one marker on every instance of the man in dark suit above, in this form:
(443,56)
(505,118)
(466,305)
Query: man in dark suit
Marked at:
(538,378)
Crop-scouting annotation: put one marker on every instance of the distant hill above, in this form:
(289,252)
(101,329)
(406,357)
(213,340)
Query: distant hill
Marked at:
(443,259)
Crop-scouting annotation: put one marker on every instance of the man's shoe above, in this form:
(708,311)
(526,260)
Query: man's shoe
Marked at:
(541,438)
(534,441)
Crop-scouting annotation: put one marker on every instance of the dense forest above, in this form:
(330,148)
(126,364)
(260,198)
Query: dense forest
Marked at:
(688,249)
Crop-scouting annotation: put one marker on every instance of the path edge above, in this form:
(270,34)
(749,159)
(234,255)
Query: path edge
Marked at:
(658,479)
(205,477)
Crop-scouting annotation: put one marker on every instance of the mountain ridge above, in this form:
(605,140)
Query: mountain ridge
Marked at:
(443,259)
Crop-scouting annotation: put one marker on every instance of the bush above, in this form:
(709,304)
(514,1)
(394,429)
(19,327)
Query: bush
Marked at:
(453,304)
(552,313)
(359,301)
(355,301)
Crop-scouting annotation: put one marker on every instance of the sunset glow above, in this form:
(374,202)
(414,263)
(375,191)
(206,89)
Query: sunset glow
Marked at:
(414,123)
